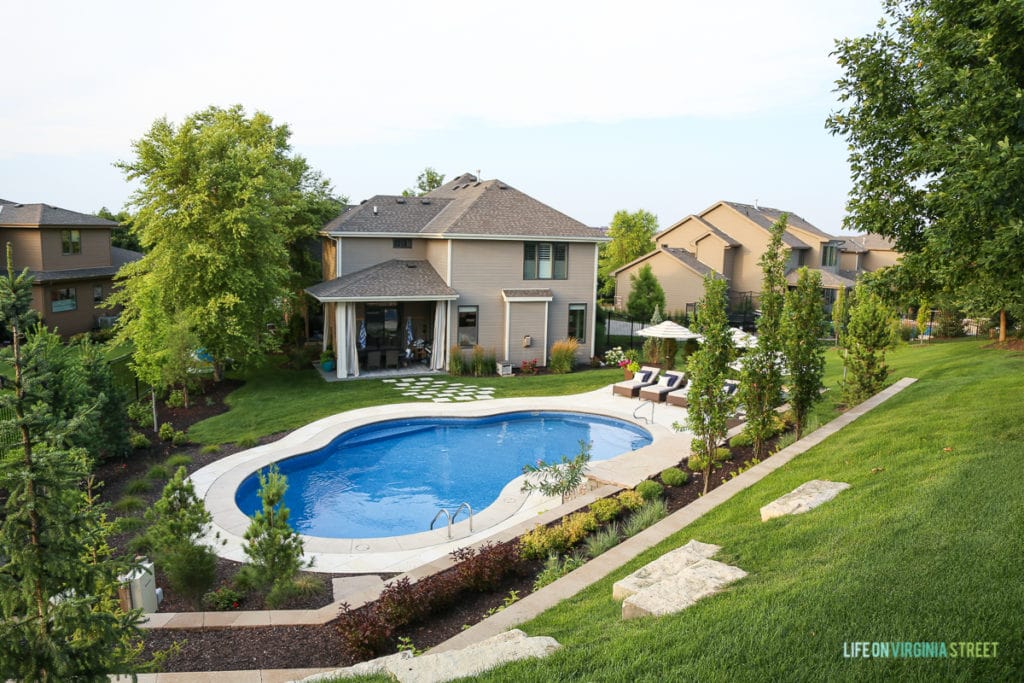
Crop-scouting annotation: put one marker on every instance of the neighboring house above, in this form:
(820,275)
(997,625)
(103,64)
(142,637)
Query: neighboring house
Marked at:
(729,238)
(70,256)
(474,262)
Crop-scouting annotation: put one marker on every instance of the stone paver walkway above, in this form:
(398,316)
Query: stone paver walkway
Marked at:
(439,390)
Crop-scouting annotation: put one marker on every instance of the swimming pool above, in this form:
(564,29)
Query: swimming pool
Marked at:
(390,478)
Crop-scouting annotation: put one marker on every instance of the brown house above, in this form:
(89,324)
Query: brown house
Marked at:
(728,239)
(71,258)
(474,262)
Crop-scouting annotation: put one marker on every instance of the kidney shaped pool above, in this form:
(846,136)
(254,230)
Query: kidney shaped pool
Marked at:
(390,478)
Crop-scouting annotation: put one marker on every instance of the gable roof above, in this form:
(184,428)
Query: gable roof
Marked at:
(14,215)
(463,207)
(681,255)
(829,280)
(407,280)
(765,216)
(867,242)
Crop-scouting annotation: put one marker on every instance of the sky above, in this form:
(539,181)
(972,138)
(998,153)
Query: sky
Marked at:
(591,107)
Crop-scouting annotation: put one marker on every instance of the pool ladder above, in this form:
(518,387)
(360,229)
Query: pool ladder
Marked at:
(451,517)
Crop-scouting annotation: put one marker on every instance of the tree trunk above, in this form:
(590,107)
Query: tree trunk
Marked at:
(1002,325)
(152,400)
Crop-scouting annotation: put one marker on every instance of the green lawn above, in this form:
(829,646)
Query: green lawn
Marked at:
(925,546)
(276,399)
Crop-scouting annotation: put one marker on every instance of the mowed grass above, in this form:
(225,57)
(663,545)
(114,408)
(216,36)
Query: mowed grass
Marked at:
(277,399)
(925,546)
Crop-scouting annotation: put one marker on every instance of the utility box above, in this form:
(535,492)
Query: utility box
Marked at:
(138,589)
(504,368)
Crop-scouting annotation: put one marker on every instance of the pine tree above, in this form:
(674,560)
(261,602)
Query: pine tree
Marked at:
(645,295)
(870,333)
(57,619)
(709,405)
(803,317)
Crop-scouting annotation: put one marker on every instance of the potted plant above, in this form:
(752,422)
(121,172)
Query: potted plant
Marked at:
(327,360)
(630,368)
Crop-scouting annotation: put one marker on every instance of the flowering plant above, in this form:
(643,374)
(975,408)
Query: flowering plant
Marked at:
(528,367)
(615,356)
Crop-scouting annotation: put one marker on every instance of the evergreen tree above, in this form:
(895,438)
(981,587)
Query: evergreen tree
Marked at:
(802,320)
(58,621)
(761,377)
(870,333)
(709,406)
(272,546)
(645,295)
(840,315)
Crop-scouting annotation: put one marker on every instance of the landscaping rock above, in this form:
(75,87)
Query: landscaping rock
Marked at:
(677,592)
(379,666)
(665,567)
(357,590)
(505,647)
(803,498)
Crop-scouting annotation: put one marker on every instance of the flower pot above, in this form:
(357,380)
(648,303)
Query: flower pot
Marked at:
(627,373)
(327,365)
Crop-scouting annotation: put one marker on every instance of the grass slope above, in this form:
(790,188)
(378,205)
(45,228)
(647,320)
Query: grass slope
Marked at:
(925,546)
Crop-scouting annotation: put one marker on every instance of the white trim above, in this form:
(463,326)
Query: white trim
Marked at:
(498,238)
(593,305)
(525,299)
(508,326)
(448,274)
(547,309)
(337,257)
(370,299)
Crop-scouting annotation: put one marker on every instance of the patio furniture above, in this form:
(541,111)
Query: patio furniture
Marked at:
(645,376)
(373,360)
(391,359)
(669,382)
(678,398)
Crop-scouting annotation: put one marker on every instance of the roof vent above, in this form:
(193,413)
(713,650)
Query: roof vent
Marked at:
(410,265)
(424,200)
(756,207)
(374,209)
(400,200)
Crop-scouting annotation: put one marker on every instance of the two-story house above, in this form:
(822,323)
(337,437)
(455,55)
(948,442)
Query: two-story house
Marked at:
(728,238)
(474,262)
(71,258)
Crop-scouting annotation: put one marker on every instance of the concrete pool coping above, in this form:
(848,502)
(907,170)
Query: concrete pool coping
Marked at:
(216,483)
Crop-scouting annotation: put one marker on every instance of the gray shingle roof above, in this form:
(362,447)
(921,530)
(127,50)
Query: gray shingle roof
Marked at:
(829,279)
(118,258)
(394,279)
(867,242)
(464,207)
(42,215)
(765,216)
(690,261)
(527,293)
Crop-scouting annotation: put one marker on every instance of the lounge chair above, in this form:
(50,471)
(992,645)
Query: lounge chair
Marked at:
(644,377)
(679,398)
(671,381)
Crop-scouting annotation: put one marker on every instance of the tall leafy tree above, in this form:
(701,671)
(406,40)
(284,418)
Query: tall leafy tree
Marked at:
(215,194)
(709,405)
(57,620)
(632,236)
(803,318)
(932,105)
(761,378)
(125,238)
(646,294)
(871,331)
(429,180)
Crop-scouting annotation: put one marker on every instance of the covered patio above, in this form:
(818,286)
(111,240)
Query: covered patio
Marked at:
(391,318)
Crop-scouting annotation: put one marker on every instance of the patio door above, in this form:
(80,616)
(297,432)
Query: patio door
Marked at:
(383,327)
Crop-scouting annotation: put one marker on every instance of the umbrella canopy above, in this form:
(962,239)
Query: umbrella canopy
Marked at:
(741,339)
(668,330)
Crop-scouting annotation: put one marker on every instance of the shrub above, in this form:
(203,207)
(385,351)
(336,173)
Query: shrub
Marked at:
(129,504)
(137,486)
(138,440)
(176,399)
(606,509)
(141,414)
(577,525)
(178,460)
(364,631)
(124,525)
(555,568)
(558,479)
(604,540)
(698,462)
(528,367)
(650,490)
(652,350)
(456,363)
(180,438)
(742,439)
(190,569)
(644,517)
(563,356)
(222,599)
(675,476)
(166,431)
(483,569)
(477,362)
(541,541)
(247,442)
(631,500)
(210,449)
(157,473)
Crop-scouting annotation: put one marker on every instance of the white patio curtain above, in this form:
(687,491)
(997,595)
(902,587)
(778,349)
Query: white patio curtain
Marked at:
(440,352)
(348,352)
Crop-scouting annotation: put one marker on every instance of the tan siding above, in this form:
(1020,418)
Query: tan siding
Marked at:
(526,318)
(812,258)
(437,255)
(95,250)
(848,261)
(327,258)
(481,269)
(875,259)
(710,251)
(682,286)
(27,247)
(683,235)
(83,318)
(358,253)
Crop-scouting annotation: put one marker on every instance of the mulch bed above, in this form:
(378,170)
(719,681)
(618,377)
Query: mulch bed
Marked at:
(295,646)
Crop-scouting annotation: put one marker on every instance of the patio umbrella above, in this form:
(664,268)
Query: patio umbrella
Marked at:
(668,330)
(741,339)
(408,331)
(362,334)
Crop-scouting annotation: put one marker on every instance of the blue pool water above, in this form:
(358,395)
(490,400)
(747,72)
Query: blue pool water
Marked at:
(390,478)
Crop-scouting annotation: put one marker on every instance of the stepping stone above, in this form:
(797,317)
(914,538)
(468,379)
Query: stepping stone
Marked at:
(463,398)
(803,498)
(678,592)
(472,660)
(410,393)
(667,566)
(442,400)
(389,381)
(353,589)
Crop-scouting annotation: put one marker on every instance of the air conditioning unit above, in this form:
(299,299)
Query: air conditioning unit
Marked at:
(106,321)
(138,589)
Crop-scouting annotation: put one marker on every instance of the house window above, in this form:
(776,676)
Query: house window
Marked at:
(63,300)
(97,294)
(578,321)
(545,261)
(468,326)
(401,243)
(70,242)
(829,256)
(828,297)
